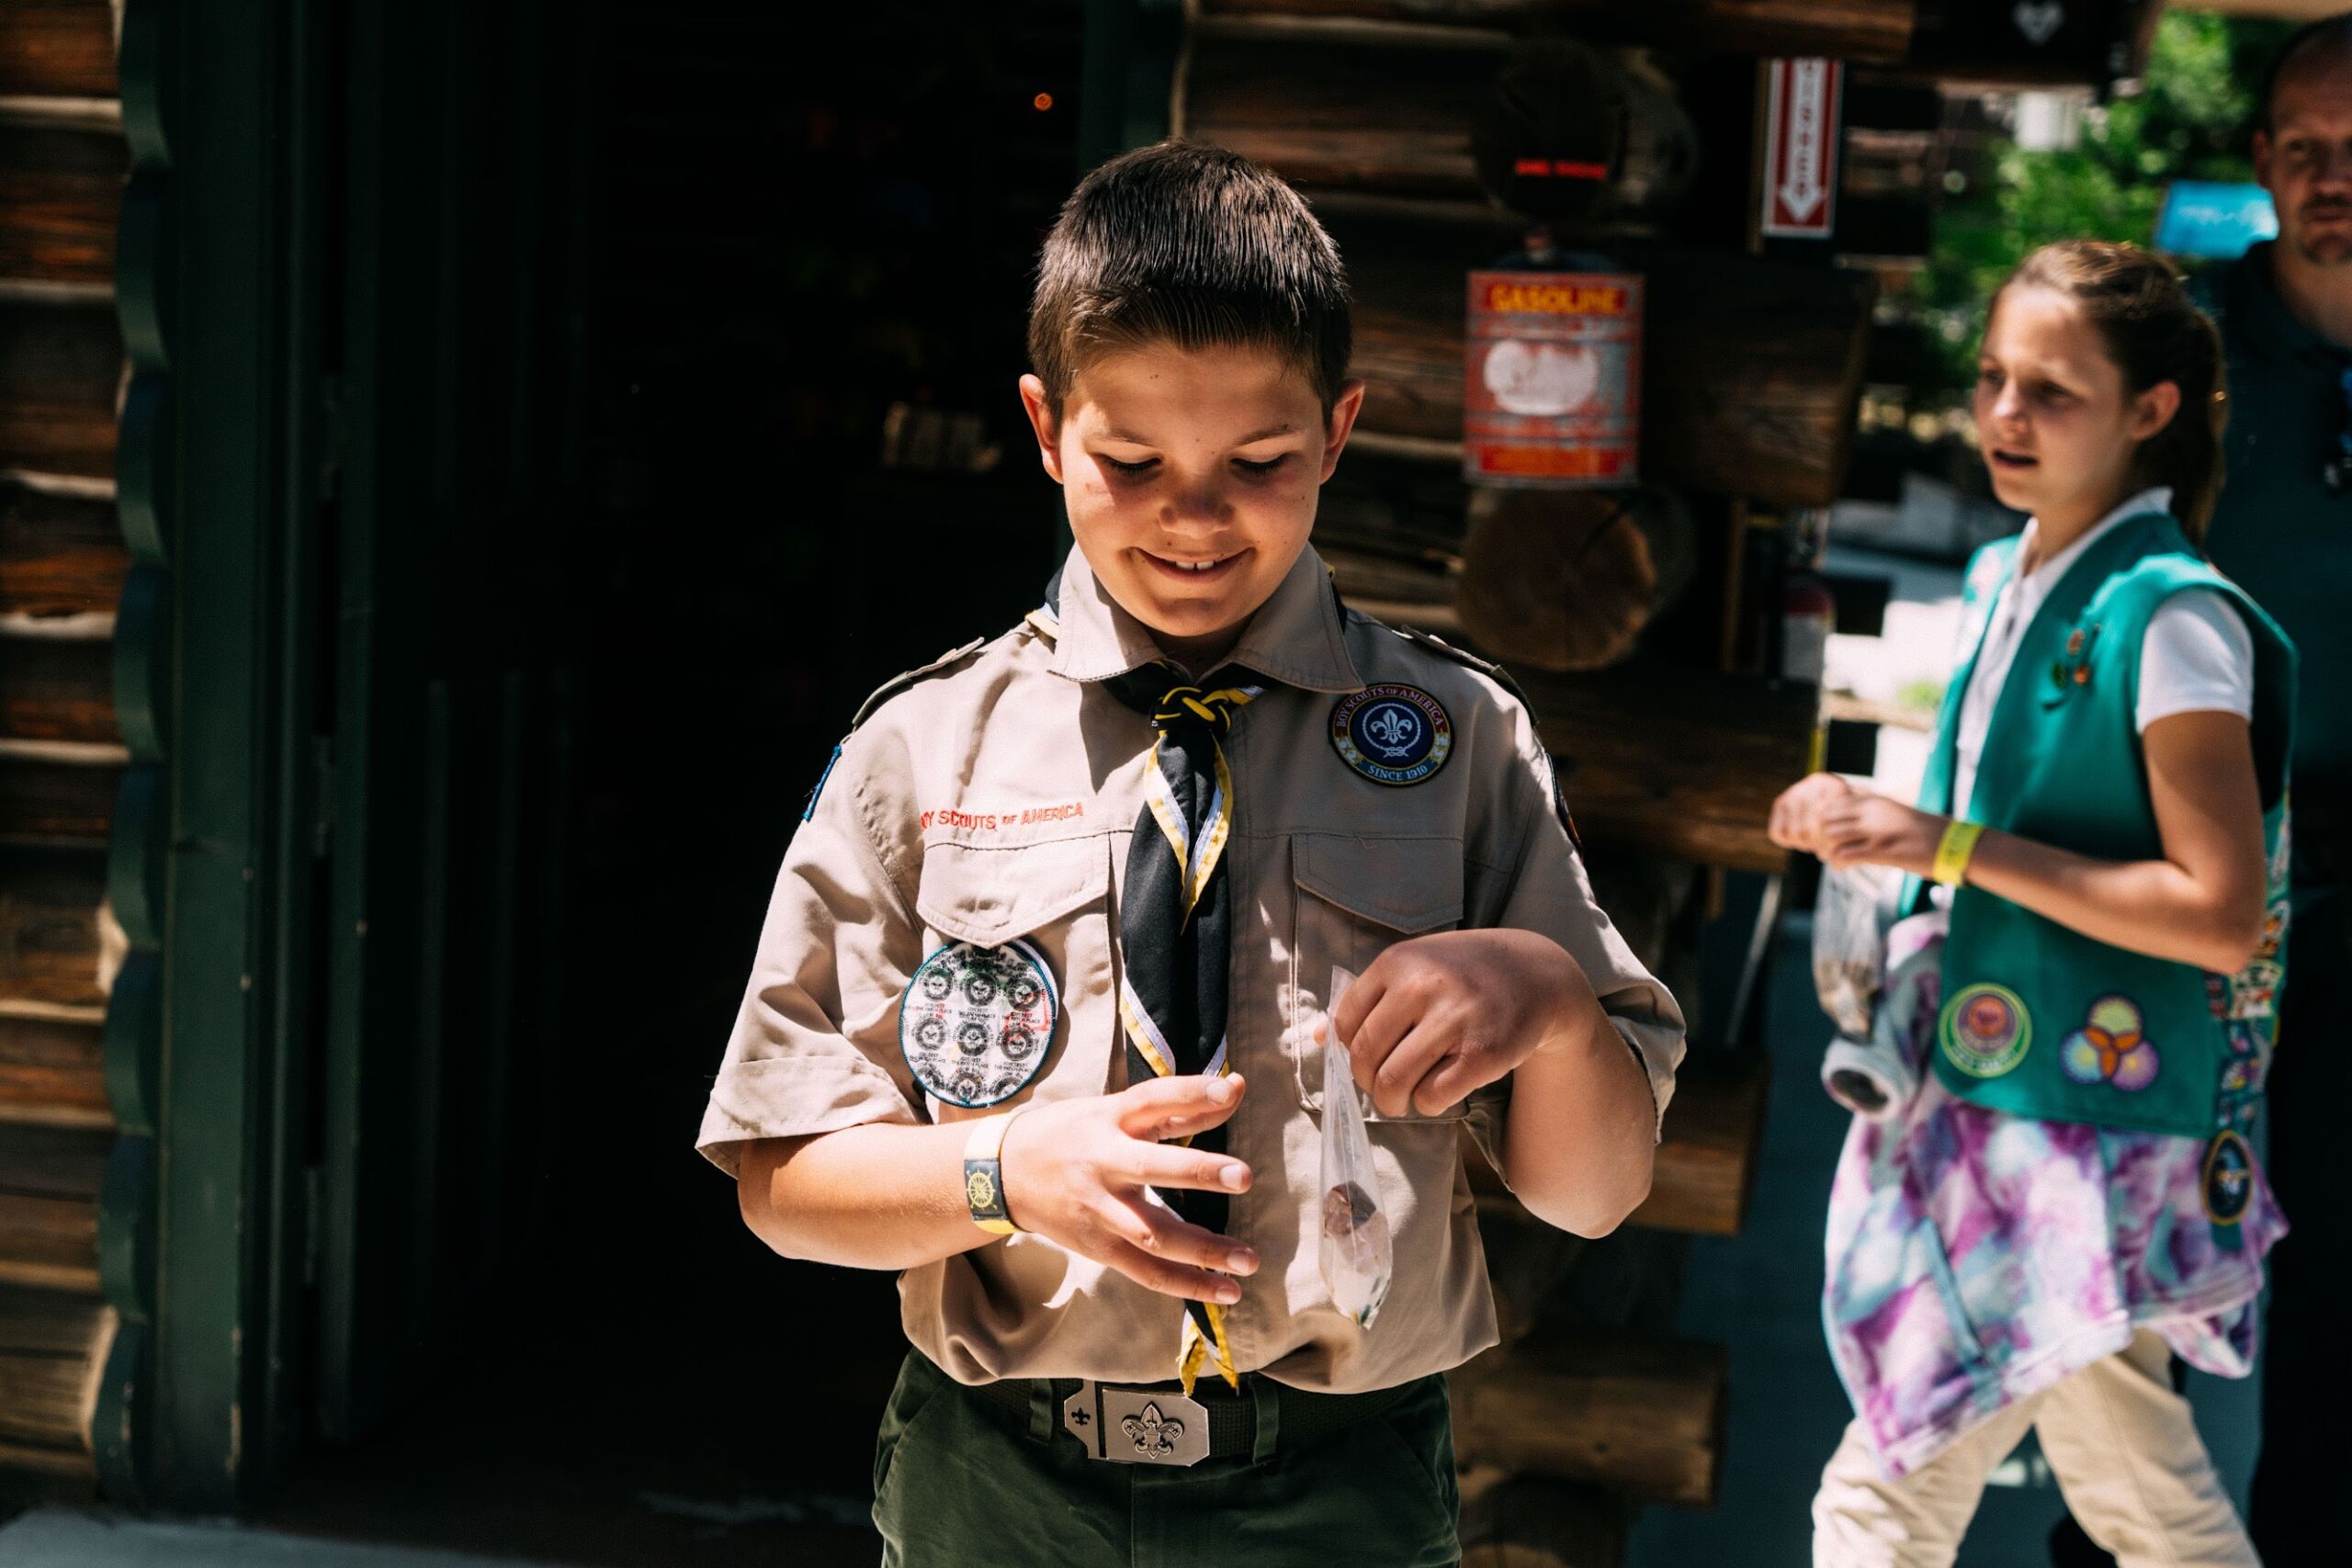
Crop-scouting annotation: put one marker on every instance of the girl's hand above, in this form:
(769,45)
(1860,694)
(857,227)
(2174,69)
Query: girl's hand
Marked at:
(1435,1017)
(1870,829)
(1076,1171)
(1795,822)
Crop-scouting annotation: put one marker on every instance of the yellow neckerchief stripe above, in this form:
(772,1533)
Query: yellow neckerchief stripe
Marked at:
(1215,831)
(1196,1349)
(1143,1033)
(1160,795)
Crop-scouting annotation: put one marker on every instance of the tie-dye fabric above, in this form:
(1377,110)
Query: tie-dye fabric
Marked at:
(1975,1258)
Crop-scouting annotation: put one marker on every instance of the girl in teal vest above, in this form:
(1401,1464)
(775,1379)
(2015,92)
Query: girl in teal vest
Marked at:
(2089,973)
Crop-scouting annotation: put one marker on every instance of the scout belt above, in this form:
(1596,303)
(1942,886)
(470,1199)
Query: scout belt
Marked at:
(1160,1424)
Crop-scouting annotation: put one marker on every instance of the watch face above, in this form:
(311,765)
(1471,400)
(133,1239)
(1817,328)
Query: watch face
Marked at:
(976,1023)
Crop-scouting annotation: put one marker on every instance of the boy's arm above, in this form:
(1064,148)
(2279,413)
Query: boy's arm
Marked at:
(1545,995)
(815,1114)
(1581,1136)
(1437,1018)
(1075,1170)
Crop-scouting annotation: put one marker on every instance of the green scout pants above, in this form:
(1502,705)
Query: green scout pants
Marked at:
(961,1483)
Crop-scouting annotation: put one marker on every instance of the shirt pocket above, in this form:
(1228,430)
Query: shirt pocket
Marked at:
(1351,900)
(1053,898)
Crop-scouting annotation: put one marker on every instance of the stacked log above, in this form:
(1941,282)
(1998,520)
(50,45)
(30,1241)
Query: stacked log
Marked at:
(1545,579)
(1752,368)
(2055,42)
(1878,31)
(50,1181)
(1640,1417)
(1533,1523)
(63,564)
(50,1340)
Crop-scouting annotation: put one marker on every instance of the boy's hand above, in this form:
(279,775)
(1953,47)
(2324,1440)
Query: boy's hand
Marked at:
(1437,1017)
(1075,1171)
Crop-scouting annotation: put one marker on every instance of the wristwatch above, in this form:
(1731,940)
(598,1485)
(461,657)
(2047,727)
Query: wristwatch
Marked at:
(984,1174)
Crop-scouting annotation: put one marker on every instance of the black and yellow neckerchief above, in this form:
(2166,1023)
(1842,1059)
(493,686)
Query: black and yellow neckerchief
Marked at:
(1175,925)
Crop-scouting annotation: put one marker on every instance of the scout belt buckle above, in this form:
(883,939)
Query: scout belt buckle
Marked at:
(1138,1426)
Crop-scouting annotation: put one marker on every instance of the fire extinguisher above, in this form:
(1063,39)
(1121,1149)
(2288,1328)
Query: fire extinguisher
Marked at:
(1808,611)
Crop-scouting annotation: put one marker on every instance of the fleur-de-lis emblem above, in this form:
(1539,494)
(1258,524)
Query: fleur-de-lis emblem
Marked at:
(1155,1435)
(1392,729)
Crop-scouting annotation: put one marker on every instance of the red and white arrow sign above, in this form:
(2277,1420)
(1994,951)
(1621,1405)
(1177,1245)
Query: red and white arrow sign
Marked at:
(1801,147)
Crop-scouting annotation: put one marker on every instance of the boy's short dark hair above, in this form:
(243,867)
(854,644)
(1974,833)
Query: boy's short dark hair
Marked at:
(1192,245)
(2329,35)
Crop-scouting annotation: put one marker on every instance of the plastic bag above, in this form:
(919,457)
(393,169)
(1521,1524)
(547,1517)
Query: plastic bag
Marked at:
(1850,915)
(1358,1254)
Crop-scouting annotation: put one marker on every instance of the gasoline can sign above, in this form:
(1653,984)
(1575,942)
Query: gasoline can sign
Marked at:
(1552,396)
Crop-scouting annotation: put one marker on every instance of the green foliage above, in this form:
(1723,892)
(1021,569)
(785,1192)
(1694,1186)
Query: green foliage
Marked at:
(2191,119)
(1920,697)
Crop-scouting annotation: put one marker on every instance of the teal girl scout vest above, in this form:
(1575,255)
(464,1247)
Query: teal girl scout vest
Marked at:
(2039,1021)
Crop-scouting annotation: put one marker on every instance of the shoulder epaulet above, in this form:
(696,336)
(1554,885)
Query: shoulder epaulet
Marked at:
(1464,657)
(897,684)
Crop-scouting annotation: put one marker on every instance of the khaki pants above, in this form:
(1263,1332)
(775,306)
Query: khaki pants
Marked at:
(2120,1441)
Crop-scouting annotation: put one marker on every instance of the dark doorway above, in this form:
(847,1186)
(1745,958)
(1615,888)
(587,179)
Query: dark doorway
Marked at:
(803,274)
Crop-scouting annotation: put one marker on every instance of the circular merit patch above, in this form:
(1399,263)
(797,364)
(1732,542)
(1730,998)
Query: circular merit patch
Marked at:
(2229,1179)
(975,1023)
(1985,1030)
(1392,735)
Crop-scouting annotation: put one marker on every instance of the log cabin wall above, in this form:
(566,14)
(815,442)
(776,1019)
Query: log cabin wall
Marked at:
(74,758)
(284,426)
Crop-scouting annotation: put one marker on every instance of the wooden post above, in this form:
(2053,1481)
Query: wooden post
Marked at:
(1640,1417)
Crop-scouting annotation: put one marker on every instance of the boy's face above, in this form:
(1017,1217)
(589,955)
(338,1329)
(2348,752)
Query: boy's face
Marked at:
(1190,478)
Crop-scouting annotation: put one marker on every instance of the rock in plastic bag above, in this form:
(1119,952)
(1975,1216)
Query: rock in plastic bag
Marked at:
(1850,915)
(1358,1254)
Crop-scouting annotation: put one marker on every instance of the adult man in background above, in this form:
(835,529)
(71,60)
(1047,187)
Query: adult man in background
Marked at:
(2283,530)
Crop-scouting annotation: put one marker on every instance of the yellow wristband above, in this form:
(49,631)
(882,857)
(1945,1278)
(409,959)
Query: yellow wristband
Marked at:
(984,1174)
(1954,853)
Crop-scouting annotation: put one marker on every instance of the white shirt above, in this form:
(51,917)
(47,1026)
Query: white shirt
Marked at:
(2197,656)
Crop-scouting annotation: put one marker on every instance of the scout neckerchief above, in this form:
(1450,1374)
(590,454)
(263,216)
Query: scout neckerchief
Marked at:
(1175,925)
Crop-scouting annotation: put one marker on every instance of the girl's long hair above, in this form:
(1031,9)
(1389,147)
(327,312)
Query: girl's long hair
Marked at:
(2152,333)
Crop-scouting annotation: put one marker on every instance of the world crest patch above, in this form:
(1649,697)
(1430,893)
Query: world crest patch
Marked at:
(1392,735)
(976,1022)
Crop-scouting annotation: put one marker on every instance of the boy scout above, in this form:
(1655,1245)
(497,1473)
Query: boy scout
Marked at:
(1036,1011)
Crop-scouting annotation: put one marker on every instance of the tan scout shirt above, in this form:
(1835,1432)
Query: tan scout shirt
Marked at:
(992,799)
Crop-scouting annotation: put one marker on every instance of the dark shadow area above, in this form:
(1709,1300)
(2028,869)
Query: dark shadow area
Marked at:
(805,279)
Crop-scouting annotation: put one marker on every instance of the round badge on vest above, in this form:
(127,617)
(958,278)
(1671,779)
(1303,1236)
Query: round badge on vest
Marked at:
(2229,1179)
(1392,735)
(2111,1047)
(976,1022)
(1985,1030)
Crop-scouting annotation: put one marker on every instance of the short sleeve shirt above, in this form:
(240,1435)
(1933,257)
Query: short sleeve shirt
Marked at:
(2287,540)
(990,802)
